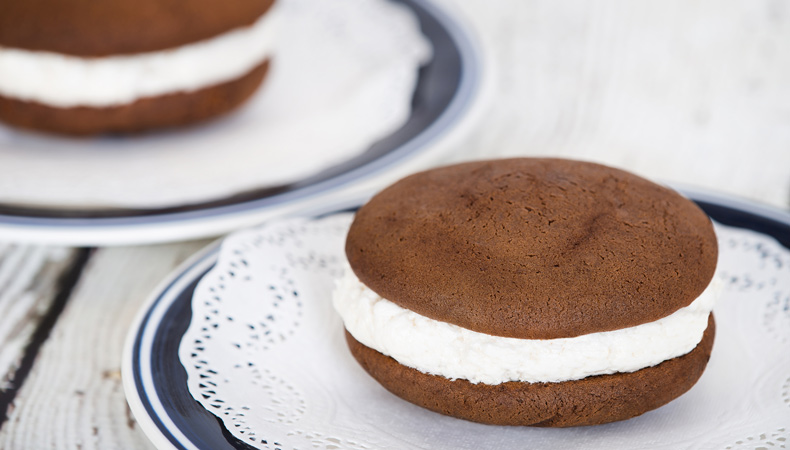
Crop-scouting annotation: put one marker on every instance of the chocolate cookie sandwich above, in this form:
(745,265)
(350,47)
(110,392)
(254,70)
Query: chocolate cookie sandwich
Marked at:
(542,292)
(85,67)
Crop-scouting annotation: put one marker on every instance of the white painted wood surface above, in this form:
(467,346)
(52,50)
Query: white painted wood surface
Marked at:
(689,91)
(28,282)
(73,398)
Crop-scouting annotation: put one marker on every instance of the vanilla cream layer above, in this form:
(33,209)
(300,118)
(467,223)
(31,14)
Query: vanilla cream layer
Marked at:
(66,81)
(440,348)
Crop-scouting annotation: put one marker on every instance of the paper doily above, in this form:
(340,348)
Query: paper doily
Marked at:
(342,77)
(265,353)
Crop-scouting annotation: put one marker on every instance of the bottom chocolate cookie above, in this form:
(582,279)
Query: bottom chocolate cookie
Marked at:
(148,113)
(589,401)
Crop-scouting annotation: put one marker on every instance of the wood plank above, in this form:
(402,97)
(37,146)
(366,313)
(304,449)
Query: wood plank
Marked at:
(29,279)
(689,92)
(73,397)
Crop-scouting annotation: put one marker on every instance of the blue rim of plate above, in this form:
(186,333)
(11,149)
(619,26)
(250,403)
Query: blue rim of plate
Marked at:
(155,382)
(447,88)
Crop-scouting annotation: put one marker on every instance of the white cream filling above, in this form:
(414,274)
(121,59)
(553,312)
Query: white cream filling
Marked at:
(453,352)
(66,81)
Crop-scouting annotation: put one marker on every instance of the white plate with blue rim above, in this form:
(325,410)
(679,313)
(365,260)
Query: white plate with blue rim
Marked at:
(450,90)
(722,411)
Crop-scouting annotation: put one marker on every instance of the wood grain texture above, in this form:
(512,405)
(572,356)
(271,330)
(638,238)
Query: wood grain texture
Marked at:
(73,397)
(28,281)
(696,92)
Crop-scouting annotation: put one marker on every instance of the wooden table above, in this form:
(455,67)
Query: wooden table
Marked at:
(687,92)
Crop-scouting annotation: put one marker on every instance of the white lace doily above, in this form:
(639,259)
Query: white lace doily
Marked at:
(265,353)
(342,77)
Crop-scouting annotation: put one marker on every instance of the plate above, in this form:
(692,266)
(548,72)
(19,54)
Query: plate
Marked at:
(446,98)
(156,383)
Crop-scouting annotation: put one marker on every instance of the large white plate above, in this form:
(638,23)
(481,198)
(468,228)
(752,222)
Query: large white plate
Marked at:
(740,402)
(447,98)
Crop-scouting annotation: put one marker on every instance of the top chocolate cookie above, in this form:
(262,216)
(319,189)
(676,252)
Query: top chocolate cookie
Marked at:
(101,28)
(533,248)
